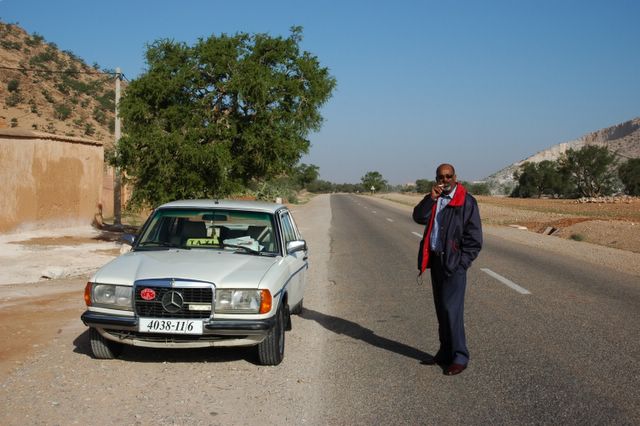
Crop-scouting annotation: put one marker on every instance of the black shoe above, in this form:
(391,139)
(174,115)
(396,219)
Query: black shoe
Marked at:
(455,369)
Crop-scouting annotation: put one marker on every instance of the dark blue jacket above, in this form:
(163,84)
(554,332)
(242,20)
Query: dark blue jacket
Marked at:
(460,230)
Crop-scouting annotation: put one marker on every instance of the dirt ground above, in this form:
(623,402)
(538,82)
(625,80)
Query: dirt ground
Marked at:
(615,225)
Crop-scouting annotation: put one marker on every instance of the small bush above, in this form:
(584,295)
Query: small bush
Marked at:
(63,88)
(13,99)
(89,130)
(47,96)
(11,45)
(107,100)
(62,111)
(100,116)
(577,237)
(35,40)
(14,122)
(42,58)
(13,85)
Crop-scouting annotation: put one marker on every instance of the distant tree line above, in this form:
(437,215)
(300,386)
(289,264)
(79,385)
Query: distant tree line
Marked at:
(591,171)
(375,180)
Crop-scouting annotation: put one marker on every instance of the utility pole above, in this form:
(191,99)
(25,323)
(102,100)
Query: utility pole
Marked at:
(117,181)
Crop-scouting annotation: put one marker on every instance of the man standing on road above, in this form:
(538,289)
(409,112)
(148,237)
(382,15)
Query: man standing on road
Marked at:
(451,241)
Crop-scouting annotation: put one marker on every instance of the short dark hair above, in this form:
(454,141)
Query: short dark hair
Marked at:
(446,165)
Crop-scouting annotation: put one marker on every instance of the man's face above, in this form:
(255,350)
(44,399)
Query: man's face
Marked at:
(446,177)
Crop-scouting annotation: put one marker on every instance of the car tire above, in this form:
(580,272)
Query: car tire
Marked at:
(271,349)
(103,348)
(297,310)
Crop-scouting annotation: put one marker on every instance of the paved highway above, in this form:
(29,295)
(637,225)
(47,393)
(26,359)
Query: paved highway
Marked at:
(552,340)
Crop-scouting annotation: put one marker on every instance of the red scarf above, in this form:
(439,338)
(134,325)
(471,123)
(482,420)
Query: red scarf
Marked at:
(456,201)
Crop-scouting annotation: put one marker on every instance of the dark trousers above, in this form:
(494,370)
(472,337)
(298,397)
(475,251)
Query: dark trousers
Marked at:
(448,296)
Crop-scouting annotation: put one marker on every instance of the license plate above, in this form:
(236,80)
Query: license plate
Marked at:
(169,326)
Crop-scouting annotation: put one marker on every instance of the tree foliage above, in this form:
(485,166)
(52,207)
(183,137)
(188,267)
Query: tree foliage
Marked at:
(424,186)
(479,188)
(208,119)
(629,173)
(537,179)
(373,180)
(305,174)
(589,170)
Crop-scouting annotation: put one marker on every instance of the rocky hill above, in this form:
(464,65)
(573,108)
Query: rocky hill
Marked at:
(623,139)
(43,88)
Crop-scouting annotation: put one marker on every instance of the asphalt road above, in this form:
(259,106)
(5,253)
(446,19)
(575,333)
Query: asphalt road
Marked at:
(558,343)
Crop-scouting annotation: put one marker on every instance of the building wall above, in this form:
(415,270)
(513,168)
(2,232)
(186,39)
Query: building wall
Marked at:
(48,180)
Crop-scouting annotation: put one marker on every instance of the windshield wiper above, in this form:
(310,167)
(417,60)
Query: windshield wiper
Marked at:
(158,244)
(247,249)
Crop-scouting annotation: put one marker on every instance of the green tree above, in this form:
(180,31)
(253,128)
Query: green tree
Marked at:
(208,119)
(305,174)
(589,170)
(423,186)
(373,180)
(320,186)
(537,179)
(629,173)
(479,188)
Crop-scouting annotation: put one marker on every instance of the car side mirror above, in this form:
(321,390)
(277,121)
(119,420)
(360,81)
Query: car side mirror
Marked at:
(297,245)
(129,239)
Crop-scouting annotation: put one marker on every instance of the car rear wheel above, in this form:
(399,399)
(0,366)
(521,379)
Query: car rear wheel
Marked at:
(271,349)
(103,348)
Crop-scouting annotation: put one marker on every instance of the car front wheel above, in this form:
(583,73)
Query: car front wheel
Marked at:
(271,349)
(103,348)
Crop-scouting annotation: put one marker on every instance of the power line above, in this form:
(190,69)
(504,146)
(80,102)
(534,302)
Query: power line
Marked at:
(63,71)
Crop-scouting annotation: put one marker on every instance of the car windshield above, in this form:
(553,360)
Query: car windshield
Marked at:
(236,230)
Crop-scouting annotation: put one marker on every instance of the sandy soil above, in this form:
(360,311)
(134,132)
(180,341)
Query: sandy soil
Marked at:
(615,225)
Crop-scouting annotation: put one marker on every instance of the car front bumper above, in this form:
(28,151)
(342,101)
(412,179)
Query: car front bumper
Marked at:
(215,332)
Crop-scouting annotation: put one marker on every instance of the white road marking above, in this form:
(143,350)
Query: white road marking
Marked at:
(506,281)
(417,235)
(390,220)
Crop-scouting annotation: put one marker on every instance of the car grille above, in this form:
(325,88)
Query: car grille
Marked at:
(190,295)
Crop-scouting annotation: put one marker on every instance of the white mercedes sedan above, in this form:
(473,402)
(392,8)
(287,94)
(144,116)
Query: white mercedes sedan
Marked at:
(202,273)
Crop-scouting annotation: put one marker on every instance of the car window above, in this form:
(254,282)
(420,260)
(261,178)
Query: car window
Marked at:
(287,228)
(209,228)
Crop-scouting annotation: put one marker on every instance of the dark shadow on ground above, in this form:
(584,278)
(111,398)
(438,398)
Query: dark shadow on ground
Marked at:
(138,354)
(356,331)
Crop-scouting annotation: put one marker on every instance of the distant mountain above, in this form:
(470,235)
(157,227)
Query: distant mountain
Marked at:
(623,139)
(43,88)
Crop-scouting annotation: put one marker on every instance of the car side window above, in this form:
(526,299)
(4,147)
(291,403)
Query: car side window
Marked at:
(287,228)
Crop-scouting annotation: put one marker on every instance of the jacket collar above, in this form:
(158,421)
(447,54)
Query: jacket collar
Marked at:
(459,196)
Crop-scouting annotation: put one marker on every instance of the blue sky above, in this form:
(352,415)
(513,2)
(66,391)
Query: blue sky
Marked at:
(479,84)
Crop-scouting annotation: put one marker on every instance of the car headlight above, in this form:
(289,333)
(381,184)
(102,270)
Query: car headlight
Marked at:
(240,301)
(109,296)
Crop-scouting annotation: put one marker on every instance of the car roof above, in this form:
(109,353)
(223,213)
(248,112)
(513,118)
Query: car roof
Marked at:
(260,206)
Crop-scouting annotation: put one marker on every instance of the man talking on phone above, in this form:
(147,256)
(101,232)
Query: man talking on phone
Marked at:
(452,240)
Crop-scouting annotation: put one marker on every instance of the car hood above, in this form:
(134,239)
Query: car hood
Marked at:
(223,268)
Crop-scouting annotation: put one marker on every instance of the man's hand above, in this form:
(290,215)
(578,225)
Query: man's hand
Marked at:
(436,191)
